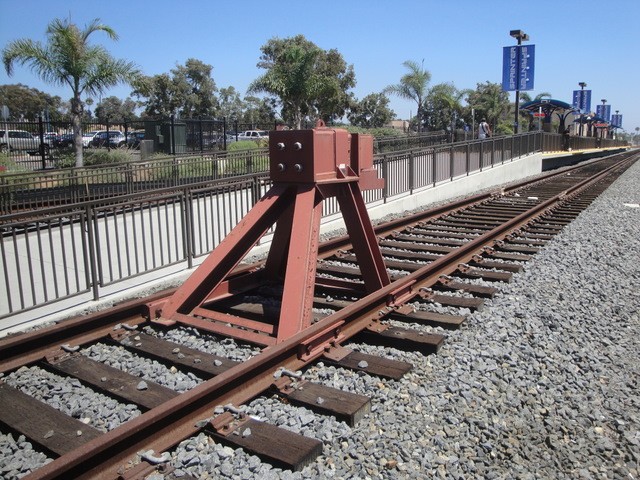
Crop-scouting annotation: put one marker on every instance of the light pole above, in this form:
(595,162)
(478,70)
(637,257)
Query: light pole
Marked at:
(601,134)
(581,85)
(520,36)
(473,123)
(614,128)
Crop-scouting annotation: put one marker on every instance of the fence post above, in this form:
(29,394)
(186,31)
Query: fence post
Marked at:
(200,134)
(411,172)
(94,269)
(129,177)
(385,175)
(107,139)
(173,134)
(434,166)
(41,136)
(468,159)
(493,151)
(451,163)
(249,161)
(187,233)
(255,190)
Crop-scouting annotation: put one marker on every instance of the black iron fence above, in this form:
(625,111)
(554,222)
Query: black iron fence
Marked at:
(49,145)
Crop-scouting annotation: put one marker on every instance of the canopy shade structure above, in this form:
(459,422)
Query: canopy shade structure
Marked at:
(549,106)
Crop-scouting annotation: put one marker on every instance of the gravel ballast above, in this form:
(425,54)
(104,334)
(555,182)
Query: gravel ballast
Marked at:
(541,384)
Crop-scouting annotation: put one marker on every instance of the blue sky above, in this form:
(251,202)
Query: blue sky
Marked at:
(460,41)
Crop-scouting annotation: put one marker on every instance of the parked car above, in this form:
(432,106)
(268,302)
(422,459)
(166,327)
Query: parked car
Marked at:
(113,139)
(50,138)
(231,137)
(66,140)
(87,138)
(20,140)
(253,135)
(134,138)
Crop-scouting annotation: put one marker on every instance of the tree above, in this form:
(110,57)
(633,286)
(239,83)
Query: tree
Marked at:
(339,77)
(26,103)
(442,107)
(258,111)
(112,109)
(231,105)
(158,94)
(69,59)
(194,82)
(187,91)
(492,103)
(307,80)
(413,85)
(371,112)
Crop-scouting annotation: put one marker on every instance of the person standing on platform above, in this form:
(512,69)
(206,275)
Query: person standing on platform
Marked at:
(566,139)
(483,130)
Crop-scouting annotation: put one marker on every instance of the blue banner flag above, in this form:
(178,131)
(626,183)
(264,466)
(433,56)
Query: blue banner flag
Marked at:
(582,100)
(604,112)
(518,66)
(616,120)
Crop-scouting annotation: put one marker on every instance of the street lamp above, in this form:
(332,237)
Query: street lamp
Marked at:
(581,85)
(520,36)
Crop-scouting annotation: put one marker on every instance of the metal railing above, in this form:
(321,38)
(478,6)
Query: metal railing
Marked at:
(82,248)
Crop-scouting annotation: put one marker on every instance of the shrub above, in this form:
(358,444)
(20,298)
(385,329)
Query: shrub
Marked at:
(107,157)
(242,145)
(95,157)
(7,165)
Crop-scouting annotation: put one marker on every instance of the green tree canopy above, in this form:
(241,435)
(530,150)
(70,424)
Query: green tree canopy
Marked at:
(112,109)
(187,91)
(371,112)
(258,111)
(27,103)
(308,81)
(252,110)
(231,105)
(69,59)
(492,103)
(442,107)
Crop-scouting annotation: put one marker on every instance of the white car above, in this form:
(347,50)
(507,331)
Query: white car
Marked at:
(87,137)
(20,140)
(253,135)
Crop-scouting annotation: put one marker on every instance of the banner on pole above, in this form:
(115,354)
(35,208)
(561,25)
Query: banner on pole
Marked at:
(582,100)
(518,67)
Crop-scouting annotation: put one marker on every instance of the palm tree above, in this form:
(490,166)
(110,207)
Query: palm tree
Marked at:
(413,85)
(442,106)
(525,97)
(69,59)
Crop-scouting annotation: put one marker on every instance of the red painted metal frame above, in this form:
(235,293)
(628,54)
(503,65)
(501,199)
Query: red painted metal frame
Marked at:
(307,166)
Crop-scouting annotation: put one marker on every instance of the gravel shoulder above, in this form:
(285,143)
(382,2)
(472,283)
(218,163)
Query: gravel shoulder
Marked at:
(542,383)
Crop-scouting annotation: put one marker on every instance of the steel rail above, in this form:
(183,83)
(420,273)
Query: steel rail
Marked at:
(329,247)
(165,426)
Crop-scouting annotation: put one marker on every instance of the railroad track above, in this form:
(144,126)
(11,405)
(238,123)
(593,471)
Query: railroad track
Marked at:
(441,260)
